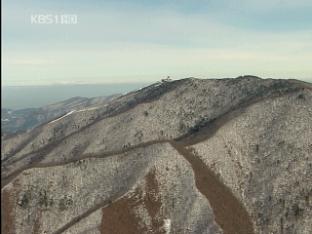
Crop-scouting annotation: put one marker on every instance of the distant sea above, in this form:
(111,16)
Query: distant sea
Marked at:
(20,97)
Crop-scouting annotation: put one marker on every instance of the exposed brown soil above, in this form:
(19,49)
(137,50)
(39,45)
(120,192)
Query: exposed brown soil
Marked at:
(7,217)
(152,201)
(120,217)
(228,210)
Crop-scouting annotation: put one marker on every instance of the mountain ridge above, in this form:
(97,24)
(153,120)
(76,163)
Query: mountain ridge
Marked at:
(192,124)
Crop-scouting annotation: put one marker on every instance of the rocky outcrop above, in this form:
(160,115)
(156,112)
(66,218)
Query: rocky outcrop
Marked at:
(189,156)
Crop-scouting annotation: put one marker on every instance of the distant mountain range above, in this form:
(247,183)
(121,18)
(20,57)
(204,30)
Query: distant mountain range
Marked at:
(13,121)
(188,156)
(21,97)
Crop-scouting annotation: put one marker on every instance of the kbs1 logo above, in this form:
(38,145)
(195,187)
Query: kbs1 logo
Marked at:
(65,19)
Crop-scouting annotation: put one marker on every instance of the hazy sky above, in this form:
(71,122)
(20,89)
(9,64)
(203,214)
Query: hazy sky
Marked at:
(134,41)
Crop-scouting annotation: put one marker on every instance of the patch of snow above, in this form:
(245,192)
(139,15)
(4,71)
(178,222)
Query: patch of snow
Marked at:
(167,225)
(157,84)
(92,108)
(53,121)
